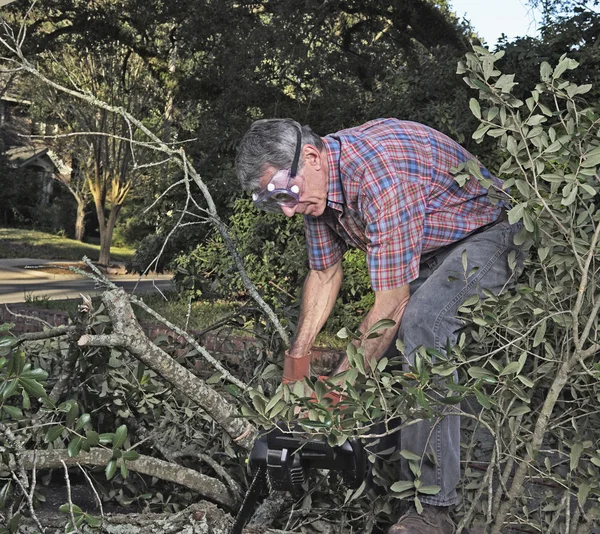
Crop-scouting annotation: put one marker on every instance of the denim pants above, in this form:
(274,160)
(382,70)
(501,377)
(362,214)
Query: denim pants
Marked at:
(430,320)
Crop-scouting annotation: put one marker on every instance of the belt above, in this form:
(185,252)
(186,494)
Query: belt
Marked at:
(502,217)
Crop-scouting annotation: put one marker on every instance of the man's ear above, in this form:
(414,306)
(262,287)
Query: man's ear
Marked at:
(312,157)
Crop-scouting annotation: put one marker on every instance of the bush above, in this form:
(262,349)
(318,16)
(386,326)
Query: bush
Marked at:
(274,252)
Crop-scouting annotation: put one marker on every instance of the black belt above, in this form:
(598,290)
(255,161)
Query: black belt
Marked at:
(502,217)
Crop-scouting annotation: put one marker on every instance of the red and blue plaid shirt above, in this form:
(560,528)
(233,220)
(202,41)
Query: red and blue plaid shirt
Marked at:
(392,194)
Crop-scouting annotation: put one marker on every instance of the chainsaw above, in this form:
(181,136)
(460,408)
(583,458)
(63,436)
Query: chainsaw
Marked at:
(282,460)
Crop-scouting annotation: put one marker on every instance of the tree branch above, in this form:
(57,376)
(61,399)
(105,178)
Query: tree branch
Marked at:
(129,335)
(210,488)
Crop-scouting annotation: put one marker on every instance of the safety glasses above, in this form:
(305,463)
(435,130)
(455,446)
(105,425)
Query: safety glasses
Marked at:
(284,188)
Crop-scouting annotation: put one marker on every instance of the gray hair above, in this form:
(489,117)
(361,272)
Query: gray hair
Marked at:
(270,142)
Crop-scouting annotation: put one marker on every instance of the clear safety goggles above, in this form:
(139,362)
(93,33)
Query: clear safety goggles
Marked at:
(284,188)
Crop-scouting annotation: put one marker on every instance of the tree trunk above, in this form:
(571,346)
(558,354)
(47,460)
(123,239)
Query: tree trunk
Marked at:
(80,220)
(106,235)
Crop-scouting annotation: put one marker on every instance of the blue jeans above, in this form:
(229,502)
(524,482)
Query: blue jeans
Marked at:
(430,320)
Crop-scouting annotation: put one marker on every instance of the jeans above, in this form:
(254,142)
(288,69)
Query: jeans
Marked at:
(430,320)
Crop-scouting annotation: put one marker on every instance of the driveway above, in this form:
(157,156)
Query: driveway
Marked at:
(21,279)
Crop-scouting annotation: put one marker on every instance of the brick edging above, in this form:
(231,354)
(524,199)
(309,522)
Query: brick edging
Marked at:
(212,341)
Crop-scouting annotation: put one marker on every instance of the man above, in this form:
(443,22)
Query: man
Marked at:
(387,187)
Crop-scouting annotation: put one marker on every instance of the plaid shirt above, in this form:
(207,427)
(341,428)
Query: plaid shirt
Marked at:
(392,194)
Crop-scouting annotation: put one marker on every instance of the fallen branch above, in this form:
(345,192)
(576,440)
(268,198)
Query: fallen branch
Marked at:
(59,331)
(128,334)
(210,488)
(199,518)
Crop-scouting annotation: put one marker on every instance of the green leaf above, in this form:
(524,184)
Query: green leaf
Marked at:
(444,370)
(482,399)
(130,455)
(480,373)
(402,485)
(418,505)
(7,341)
(576,450)
(74,447)
(120,436)
(106,438)
(545,70)
(124,469)
(429,490)
(540,333)
(13,411)
(408,455)
(382,324)
(519,410)
(93,438)
(320,390)
(516,213)
(343,333)
(53,433)
(33,387)
(92,521)
(526,381)
(298,389)
(111,469)
(66,509)
(475,107)
(583,492)
(83,420)
(216,378)
(9,388)
(511,369)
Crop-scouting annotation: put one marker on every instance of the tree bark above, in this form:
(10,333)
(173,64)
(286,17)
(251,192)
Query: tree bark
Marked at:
(128,334)
(208,487)
(199,518)
(80,220)
(107,234)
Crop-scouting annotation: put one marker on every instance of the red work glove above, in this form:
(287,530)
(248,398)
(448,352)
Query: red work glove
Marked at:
(295,369)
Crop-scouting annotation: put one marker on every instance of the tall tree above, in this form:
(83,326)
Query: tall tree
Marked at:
(107,161)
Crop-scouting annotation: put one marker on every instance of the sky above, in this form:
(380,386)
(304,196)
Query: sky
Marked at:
(491,18)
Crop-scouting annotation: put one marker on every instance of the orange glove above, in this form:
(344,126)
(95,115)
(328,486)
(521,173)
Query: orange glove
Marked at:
(295,369)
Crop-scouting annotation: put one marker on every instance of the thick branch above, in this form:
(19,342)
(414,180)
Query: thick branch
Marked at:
(208,487)
(129,335)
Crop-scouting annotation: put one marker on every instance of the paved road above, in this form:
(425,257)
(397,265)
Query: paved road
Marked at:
(18,283)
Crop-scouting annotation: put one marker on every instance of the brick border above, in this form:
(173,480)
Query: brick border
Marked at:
(229,345)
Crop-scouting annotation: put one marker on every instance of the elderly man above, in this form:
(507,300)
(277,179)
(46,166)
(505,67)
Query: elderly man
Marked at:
(387,187)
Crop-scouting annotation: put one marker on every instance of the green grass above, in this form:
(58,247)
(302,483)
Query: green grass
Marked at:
(19,243)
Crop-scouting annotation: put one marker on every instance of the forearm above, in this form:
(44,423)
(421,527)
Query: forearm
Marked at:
(388,305)
(318,298)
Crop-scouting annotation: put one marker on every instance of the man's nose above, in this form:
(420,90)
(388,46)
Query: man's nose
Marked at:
(288,211)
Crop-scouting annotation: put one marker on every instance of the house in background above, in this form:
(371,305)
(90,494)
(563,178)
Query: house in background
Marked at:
(23,150)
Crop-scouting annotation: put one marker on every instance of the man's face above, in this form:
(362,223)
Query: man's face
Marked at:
(312,182)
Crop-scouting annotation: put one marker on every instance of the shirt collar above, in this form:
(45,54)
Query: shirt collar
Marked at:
(335,193)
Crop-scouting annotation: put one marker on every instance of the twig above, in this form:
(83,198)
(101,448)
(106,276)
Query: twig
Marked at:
(21,316)
(98,499)
(46,334)
(70,499)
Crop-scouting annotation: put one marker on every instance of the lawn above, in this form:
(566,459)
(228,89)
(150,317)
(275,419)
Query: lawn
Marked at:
(20,243)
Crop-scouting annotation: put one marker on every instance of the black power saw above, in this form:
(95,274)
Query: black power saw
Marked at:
(281,461)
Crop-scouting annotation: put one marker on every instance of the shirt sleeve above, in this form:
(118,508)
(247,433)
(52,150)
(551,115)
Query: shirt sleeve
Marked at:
(394,204)
(325,247)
